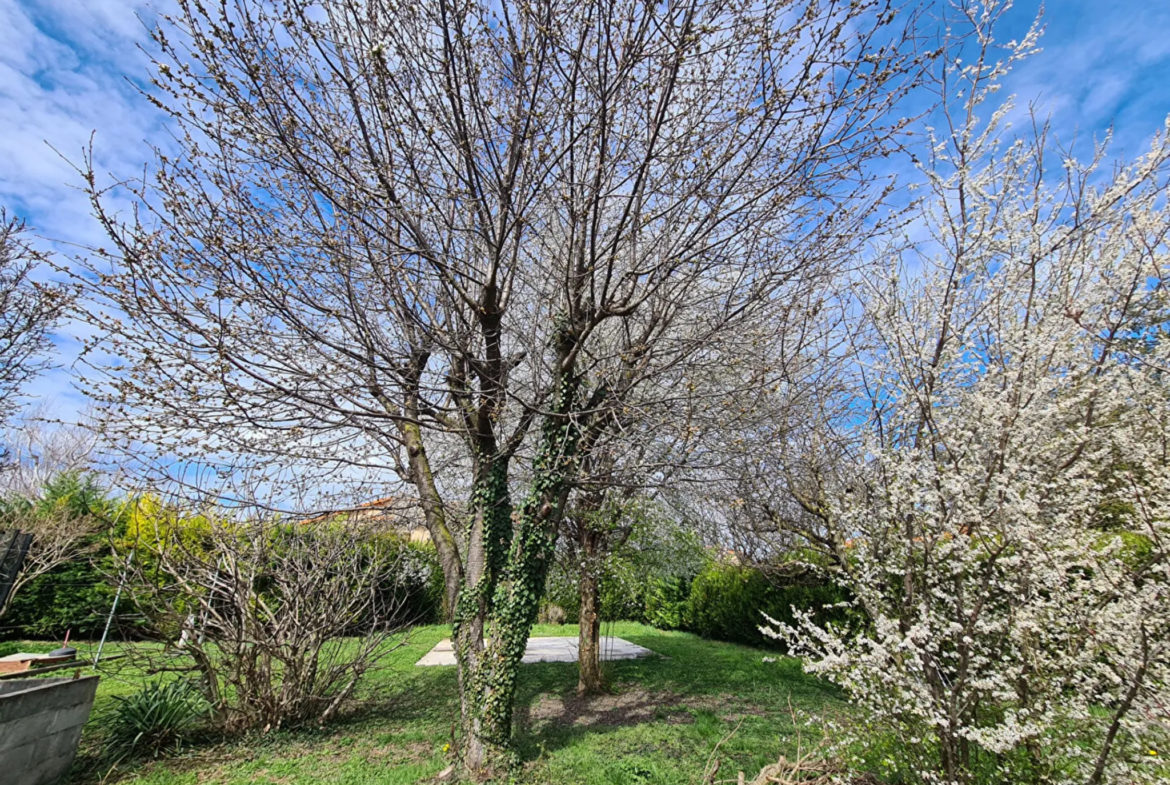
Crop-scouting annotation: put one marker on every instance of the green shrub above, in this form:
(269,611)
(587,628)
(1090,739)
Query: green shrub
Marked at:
(562,590)
(627,594)
(421,578)
(722,602)
(728,601)
(666,603)
(623,588)
(156,721)
(412,584)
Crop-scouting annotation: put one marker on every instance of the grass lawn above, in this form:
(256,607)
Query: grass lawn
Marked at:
(660,723)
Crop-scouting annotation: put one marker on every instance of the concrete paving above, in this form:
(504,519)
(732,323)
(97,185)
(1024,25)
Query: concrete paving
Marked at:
(545,650)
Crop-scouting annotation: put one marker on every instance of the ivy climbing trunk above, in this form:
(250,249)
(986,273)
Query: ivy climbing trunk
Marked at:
(488,672)
(489,538)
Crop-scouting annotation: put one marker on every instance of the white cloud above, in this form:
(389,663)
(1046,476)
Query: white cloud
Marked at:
(63,76)
(63,69)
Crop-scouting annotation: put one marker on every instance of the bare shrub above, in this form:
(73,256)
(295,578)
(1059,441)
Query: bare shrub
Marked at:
(56,540)
(281,620)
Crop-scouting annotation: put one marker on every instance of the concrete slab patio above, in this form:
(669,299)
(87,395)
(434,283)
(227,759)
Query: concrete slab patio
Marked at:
(545,650)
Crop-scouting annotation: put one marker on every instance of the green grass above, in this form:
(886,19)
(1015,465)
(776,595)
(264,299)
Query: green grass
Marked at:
(660,723)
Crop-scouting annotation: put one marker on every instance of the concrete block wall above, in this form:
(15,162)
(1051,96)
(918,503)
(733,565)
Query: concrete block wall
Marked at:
(40,726)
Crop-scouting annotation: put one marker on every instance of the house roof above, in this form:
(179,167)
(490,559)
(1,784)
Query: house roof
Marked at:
(406,510)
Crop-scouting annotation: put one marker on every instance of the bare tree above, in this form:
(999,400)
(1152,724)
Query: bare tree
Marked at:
(629,466)
(56,540)
(28,311)
(41,447)
(770,472)
(400,237)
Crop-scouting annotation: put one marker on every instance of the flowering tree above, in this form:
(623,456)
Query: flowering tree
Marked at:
(1005,523)
(409,242)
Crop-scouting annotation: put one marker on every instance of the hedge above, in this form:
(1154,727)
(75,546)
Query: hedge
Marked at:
(724,601)
(74,597)
(727,602)
(77,596)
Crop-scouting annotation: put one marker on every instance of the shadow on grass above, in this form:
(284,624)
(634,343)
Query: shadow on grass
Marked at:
(711,686)
(393,697)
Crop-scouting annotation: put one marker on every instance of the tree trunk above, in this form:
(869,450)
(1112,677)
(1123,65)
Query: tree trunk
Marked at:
(488,677)
(434,515)
(484,736)
(589,680)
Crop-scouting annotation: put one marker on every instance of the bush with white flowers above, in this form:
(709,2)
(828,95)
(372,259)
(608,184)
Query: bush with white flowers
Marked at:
(1006,525)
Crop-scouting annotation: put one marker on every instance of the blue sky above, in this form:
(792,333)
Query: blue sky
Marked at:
(1105,62)
(66,68)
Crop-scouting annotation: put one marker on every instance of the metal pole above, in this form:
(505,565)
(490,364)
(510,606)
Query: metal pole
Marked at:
(114,607)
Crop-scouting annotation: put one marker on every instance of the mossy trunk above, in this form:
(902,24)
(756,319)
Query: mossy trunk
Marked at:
(434,515)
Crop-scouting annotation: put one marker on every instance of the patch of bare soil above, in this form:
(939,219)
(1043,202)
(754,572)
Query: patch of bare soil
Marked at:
(630,707)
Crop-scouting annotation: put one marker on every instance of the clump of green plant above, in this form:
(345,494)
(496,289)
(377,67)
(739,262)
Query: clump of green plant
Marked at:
(154,722)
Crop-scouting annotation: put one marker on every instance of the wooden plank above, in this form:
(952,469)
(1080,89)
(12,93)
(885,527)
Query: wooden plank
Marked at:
(79,664)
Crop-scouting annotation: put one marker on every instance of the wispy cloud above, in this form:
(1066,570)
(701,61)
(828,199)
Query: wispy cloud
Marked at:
(68,71)
(1103,65)
(64,74)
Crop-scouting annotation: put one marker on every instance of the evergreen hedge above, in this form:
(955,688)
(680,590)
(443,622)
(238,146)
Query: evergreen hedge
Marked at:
(723,601)
(727,601)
